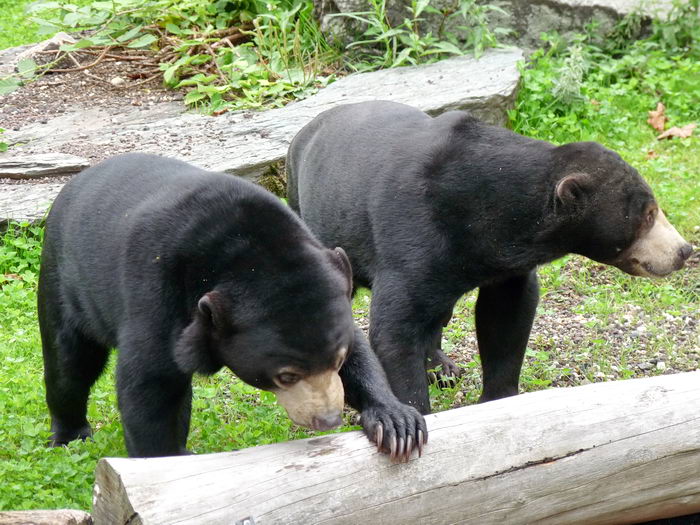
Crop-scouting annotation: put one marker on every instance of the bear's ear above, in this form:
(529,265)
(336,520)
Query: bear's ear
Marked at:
(573,187)
(341,261)
(214,311)
(196,347)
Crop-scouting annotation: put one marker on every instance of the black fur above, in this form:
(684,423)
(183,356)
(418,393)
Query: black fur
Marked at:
(187,271)
(430,208)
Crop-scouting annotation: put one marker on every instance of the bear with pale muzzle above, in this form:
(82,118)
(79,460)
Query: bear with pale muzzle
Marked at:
(429,208)
(187,271)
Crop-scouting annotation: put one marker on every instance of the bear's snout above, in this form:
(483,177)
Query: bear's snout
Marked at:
(314,402)
(658,252)
(327,421)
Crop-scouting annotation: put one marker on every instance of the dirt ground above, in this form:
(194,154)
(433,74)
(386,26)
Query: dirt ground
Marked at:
(54,94)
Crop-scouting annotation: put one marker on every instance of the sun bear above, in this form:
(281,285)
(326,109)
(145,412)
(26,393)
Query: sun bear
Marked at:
(186,271)
(430,208)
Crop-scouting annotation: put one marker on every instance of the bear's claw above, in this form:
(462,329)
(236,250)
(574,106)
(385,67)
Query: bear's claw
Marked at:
(442,370)
(397,430)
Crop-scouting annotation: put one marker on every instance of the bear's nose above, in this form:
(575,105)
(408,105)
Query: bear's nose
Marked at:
(686,250)
(327,421)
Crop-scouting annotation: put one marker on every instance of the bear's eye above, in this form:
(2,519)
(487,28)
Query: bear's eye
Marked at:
(287,378)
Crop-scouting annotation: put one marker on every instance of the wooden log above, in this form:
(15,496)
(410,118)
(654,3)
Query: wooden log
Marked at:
(45,517)
(606,453)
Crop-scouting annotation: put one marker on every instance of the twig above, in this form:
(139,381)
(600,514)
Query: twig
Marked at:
(80,68)
(86,72)
(139,82)
(117,57)
(216,64)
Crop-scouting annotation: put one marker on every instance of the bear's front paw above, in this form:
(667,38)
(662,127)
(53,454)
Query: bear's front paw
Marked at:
(397,430)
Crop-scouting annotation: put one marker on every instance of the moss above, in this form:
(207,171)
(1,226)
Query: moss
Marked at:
(274,180)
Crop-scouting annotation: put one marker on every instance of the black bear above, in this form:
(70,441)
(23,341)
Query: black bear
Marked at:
(186,271)
(430,208)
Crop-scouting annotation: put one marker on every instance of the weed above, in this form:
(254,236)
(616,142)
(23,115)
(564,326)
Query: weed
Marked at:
(3,144)
(383,44)
(225,54)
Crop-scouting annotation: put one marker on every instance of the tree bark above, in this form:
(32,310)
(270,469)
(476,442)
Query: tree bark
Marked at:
(607,453)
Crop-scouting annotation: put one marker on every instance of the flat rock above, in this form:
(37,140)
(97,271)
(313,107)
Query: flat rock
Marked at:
(247,143)
(40,165)
(26,202)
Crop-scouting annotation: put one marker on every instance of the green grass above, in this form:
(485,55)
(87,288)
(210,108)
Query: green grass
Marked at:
(585,319)
(15,27)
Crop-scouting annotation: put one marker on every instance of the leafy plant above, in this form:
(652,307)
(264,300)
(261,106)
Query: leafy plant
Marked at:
(226,54)
(382,44)
(283,60)
(3,144)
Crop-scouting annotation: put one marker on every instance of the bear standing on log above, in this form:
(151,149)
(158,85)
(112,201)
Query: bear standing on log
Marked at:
(430,208)
(186,271)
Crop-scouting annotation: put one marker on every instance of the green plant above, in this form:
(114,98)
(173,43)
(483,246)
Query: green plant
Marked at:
(383,44)
(226,54)
(680,30)
(20,250)
(283,60)
(3,144)
(15,26)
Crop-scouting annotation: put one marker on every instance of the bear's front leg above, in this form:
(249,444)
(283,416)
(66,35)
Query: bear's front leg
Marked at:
(397,429)
(504,314)
(406,319)
(155,404)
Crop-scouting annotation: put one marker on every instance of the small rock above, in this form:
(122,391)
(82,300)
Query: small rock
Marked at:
(661,366)
(117,81)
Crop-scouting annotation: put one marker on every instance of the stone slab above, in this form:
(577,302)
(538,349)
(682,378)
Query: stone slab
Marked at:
(40,165)
(26,202)
(247,143)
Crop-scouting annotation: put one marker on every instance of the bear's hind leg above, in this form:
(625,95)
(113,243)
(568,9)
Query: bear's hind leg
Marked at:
(72,364)
(447,370)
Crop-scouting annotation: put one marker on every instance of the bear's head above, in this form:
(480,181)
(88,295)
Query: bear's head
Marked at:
(283,325)
(611,212)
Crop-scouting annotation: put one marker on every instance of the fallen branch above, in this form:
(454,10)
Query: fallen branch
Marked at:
(608,453)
